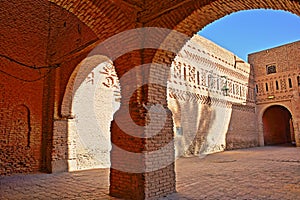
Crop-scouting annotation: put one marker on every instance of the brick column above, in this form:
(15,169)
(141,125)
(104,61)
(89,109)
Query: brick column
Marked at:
(260,133)
(297,133)
(142,155)
(59,162)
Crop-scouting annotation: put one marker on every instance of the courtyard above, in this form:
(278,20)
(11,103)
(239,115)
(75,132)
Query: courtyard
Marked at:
(271,172)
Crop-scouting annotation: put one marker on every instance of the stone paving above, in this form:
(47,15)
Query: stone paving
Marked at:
(256,173)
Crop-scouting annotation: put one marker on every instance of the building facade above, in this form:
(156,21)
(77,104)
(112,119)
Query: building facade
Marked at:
(277,83)
(210,94)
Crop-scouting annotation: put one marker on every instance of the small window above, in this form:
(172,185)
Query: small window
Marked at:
(298,80)
(271,69)
(256,87)
(267,88)
(290,83)
(198,77)
(277,85)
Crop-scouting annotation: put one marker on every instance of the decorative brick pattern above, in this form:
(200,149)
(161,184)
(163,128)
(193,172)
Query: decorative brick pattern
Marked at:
(283,85)
(202,110)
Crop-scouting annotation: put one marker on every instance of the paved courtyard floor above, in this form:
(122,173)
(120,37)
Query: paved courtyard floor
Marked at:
(256,173)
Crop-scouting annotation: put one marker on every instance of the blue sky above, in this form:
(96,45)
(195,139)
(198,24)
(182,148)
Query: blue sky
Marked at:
(250,31)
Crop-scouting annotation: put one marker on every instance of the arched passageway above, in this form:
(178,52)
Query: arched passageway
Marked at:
(52,37)
(93,106)
(91,99)
(278,126)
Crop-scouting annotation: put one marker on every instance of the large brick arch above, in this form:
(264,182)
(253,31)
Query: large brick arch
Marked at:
(105,18)
(78,76)
(97,21)
(192,16)
(87,73)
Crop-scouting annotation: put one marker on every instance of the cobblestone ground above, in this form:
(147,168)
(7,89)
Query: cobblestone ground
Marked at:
(256,173)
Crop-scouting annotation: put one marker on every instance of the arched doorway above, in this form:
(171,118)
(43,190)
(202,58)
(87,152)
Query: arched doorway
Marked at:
(278,126)
(93,106)
(90,101)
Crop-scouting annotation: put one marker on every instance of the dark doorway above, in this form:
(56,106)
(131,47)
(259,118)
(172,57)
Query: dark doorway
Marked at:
(278,126)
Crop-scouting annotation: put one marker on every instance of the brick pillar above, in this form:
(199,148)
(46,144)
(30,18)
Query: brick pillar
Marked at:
(260,133)
(142,155)
(297,132)
(59,162)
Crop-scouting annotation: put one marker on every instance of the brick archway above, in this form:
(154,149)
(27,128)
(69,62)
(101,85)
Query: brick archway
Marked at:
(97,22)
(261,109)
(195,15)
(91,98)
(278,126)
(78,76)
(66,121)
(105,18)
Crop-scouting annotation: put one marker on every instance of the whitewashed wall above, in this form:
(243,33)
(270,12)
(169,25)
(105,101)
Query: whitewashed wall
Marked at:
(94,104)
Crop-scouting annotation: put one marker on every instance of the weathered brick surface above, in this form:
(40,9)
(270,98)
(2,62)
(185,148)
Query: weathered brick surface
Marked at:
(60,33)
(21,96)
(131,158)
(20,126)
(21,91)
(242,135)
(36,35)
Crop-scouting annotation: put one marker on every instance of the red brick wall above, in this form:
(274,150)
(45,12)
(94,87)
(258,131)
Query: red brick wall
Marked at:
(279,88)
(34,34)
(23,38)
(20,125)
(242,130)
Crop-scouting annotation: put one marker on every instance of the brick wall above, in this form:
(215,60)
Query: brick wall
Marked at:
(20,121)
(276,81)
(242,129)
(34,38)
(22,46)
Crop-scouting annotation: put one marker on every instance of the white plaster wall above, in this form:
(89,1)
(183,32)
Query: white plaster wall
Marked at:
(93,105)
(204,126)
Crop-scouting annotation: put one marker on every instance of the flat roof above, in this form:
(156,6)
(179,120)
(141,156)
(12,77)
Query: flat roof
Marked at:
(279,46)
